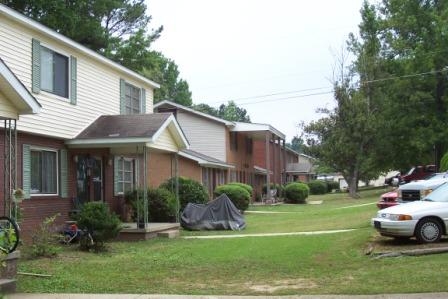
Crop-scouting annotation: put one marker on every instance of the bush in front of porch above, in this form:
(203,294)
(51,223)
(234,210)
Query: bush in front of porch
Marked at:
(189,191)
(161,204)
(236,193)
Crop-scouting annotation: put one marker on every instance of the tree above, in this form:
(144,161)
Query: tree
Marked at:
(414,38)
(345,139)
(98,24)
(232,112)
(204,108)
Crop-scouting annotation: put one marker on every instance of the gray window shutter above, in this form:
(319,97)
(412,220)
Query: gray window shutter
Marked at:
(63,186)
(35,72)
(26,170)
(73,80)
(116,160)
(143,100)
(122,97)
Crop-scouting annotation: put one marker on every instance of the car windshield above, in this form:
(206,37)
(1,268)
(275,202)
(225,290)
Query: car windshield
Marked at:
(411,171)
(440,194)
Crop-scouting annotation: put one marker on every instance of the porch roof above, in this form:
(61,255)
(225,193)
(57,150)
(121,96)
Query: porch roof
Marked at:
(257,130)
(18,98)
(204,160)
(260,170)
(158,130)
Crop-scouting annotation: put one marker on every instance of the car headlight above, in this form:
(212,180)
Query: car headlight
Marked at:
(400,217)
(398,193)
(425,192)
(394,217)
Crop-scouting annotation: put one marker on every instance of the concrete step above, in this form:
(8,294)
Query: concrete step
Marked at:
(170,234)
(7,286)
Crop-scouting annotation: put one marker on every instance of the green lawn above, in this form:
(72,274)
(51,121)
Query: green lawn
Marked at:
(280,265)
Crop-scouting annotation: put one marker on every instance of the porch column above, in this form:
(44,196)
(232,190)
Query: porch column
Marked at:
(283,163)
(176,170)
(145,184)
(268,167)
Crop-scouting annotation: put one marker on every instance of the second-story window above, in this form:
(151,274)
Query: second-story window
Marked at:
(54,72)
(133,99)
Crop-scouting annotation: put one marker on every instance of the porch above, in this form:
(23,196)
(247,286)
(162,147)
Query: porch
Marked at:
(130,231)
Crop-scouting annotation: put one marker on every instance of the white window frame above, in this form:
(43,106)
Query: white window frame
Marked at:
(133,174)
(40,149)
(131,107)
(57,51)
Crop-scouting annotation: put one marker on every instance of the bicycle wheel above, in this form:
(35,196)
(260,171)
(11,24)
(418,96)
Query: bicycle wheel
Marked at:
(9,234)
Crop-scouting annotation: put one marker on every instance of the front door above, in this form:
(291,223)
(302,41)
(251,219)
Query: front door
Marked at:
(89,178)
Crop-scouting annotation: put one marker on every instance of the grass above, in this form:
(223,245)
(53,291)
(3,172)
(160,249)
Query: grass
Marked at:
(281,265)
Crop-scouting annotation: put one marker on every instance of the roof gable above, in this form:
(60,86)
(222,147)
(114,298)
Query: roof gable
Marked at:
(16,92)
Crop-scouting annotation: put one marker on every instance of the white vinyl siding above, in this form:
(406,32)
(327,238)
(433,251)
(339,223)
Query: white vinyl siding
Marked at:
(7,110)
(205,136)
(166,141)
(98,91)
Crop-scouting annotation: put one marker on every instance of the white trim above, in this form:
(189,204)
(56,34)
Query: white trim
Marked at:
(205,163)
(27,22)
(109,141)
(171,120)
(217,119)
(20,90)
(252,127)
(69,73)
(47,149)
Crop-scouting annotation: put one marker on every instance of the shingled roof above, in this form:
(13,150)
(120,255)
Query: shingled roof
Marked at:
(124,126)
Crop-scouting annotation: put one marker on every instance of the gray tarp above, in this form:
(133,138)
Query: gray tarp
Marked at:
(219,214)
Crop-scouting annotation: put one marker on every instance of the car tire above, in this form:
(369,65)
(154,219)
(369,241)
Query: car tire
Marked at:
(428,230)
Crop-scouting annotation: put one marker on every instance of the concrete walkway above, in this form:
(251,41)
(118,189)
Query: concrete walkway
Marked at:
(139,296)
(321,232)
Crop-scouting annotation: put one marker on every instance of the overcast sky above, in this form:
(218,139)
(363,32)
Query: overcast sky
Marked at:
(246,50)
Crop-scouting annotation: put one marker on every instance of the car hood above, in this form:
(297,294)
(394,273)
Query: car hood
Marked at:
(428,184)
(416,207)
(390,194)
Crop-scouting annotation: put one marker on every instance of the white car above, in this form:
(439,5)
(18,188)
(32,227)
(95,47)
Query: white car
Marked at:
(425,219)
(416,190)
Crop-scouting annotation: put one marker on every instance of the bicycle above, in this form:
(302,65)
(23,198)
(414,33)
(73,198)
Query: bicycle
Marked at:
(73,234)
(9,234)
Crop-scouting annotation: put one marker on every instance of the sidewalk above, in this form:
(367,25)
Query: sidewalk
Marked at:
(139,296)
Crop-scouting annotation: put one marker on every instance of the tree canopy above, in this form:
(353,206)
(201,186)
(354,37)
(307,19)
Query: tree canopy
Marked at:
(230,112)
(392,99)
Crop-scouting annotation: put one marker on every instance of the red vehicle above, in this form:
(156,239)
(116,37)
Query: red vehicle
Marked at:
(417,173)
(388,199)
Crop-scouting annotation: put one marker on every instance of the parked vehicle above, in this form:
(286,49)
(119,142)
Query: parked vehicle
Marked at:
(393,180)
(418,189)
(423,219)
(388,199)
(417,173)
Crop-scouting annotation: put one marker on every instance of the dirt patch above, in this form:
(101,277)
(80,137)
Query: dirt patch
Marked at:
(379,244)
(285,284)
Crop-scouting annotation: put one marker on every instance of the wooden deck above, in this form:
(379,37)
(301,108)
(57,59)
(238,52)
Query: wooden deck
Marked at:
(130,232)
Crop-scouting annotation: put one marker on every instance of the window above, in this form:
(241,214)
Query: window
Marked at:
(132,99)
(54,72)
(44,174)
(124,175)
(233,141)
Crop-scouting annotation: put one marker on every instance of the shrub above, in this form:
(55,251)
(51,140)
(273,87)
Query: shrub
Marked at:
(277,187)
(296,193)
(103,225)
(237,194)
(332,185)
(189,191)
(245,186)
(318,187)
(45,239)
(161,204)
